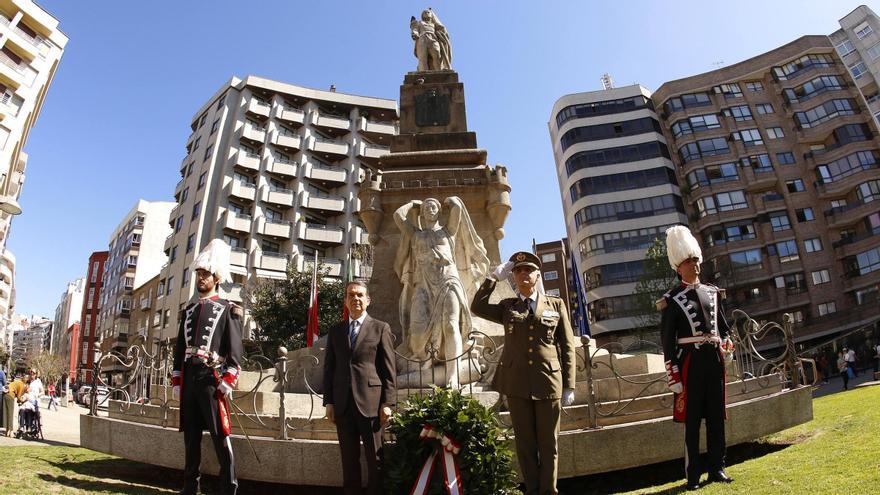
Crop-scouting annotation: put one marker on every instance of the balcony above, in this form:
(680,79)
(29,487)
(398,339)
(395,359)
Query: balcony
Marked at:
(232,292)
(9,105)
(242,190)
(145,303)
(371,153)
(284,168)
(5,272)
(277,196)
(292,115)
(20,72)
(247,160)
(332,265)
(287,140)
(325,175)
(236,222)
(5,290)
(8,258)
(270,261)
(333,125)
(238,257)
(32,42)
(321,234)
(274,228)
(843,216)
(253,133)
(324,203)
(257,107)
(376,130)
(328,148)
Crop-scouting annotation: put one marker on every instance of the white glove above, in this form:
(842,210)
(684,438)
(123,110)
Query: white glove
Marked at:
(568,397)
(224,388)
(175,392)
(503,271)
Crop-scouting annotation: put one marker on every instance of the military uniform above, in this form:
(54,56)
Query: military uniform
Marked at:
(693,330)
(537,365)
(208,350)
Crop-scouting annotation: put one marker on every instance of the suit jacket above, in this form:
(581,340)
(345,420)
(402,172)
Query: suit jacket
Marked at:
(538,360)
(367,371)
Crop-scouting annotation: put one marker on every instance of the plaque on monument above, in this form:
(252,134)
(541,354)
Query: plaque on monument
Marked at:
(432,108)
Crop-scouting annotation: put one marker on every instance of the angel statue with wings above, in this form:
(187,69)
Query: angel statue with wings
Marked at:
(432,47)
(440,267)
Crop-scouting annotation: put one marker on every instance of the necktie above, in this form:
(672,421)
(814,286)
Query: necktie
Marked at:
(353,332)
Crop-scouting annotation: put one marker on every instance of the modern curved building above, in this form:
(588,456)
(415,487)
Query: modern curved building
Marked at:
(619,192)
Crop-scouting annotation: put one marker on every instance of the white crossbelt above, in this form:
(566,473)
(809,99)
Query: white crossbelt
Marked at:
(701,339)
(204,356)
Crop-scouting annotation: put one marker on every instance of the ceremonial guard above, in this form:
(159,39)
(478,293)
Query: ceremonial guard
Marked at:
(207,360)
(537,366)
(695,341)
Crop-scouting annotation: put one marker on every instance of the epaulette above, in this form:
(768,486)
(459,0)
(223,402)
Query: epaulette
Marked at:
(661,303)
(722,293)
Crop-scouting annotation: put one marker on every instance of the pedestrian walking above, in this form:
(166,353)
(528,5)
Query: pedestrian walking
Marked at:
(843,369)
(52,402)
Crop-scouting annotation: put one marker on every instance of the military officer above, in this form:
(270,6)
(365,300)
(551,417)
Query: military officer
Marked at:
(537,366)
(695,341)
(207,360)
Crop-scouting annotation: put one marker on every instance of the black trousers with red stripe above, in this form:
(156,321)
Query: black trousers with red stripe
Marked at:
(200,413)
(705,399)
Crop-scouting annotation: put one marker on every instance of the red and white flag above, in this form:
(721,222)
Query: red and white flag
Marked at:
(312,327)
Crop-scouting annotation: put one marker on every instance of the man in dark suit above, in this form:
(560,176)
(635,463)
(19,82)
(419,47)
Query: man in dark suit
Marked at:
(359,388)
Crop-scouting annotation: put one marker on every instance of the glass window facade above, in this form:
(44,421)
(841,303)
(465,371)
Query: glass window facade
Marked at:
(622,182)
(609,131)
(608,107)
(624,210)
(611,156)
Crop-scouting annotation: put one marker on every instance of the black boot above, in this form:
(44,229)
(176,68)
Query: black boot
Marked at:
(720,477)
(693,485)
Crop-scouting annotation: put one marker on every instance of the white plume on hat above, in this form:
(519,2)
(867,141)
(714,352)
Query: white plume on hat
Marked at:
(215,259)
(681,245)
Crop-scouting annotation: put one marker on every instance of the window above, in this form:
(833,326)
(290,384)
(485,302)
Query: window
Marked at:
(813,245)
(697,123)
(273,216)
(548,257)
(87,327)
(95,267)
(869,191)
(754,86)
(178,224)
(785,158)
(858,69)
(775,132)
(208,152)
(184,194)
(746,260)
(845,48)
(185,280)
(271,247)
(714,174)
(160,291)
(215,126)
(628,240)
(552,292)
(764,108)
(166,318)
(779,221)
(807,62)
(786,250)
(761,162)
(821,277)
(234,242)
(595,109)
(91,300)
(688,100)
(611,130)
(861,32)
(610,156)
(197,208)
(189,168)
(551,275)
(795,186)
(203,179)
(623,210)
(825,112)
(804,215)
(190,243)
(827,308)
(726,201)
(794,283)
(170,286)
(220,103)
(729,90)
(172,255)
(195,144)
(749,137)
(703,148)
(846,166)
(613,183)
(739,114)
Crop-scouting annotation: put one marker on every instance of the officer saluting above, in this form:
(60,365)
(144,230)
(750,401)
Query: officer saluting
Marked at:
(692,327)
(537,366)
(207,360)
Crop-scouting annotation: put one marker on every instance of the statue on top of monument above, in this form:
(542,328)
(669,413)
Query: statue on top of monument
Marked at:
(440,267)
(432,45)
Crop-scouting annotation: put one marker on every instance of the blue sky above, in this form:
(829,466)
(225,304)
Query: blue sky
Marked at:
(116,119)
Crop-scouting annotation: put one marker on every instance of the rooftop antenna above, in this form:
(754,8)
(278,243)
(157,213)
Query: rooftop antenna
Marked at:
(607,82)
(718,64)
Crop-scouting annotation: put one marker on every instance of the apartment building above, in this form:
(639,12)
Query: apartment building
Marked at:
(857,43)
(777,157)
(30,339)
(619,192)
(136,254)
(87,340)
(31,46)
(145,320)
(274,169)
(66,314)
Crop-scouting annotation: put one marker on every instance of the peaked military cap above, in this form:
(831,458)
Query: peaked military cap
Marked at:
(524,258)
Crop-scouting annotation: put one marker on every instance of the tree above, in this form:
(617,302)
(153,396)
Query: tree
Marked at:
(49,366)
(657,279)
(281,308)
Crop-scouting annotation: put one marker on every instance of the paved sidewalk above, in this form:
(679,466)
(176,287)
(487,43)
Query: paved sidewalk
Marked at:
(59,427)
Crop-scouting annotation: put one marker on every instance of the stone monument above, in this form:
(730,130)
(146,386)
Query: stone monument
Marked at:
(435,212)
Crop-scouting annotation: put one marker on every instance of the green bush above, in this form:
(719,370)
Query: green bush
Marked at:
(485,460)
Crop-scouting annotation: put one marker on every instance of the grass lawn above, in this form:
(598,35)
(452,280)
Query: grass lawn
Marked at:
(836,453)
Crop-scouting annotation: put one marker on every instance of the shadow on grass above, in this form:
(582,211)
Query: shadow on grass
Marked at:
(662,473)
(157,480)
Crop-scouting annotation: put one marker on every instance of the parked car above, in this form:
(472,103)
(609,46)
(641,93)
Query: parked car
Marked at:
(101,397)
(81,393)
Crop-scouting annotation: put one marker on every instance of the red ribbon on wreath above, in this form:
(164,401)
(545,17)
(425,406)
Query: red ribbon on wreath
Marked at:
(447,449)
